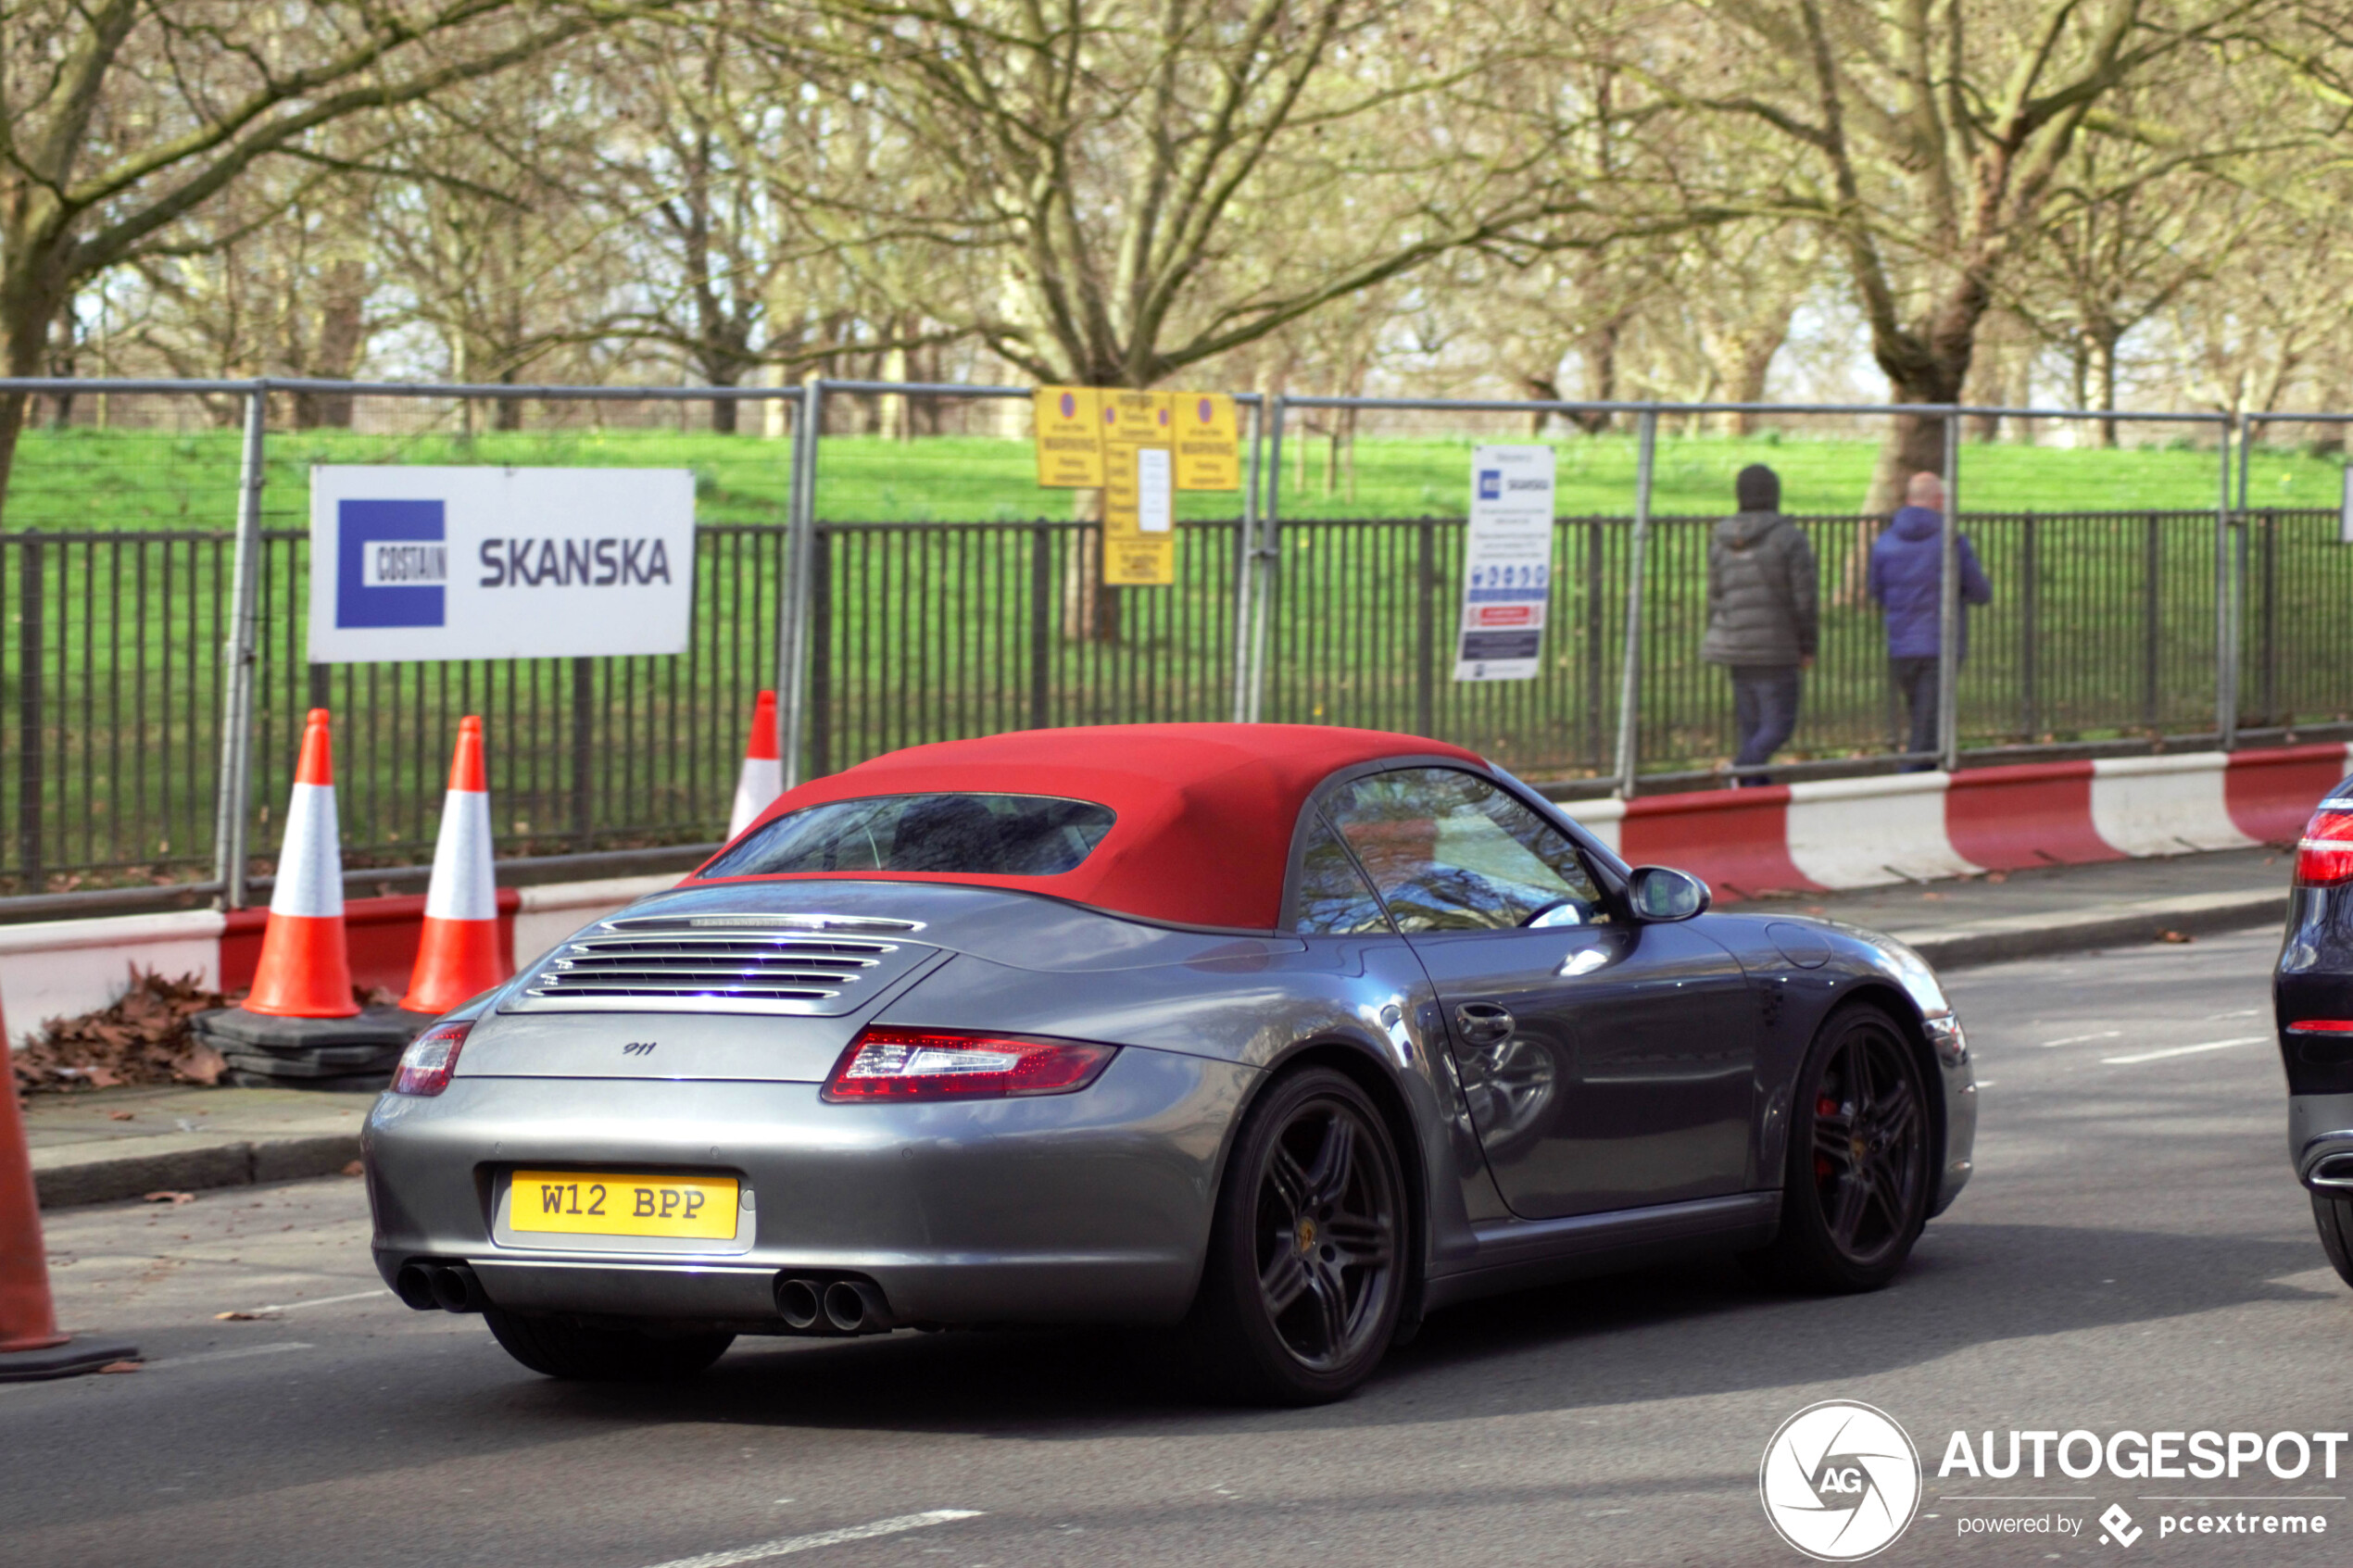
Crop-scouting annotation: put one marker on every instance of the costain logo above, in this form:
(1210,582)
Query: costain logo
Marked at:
(392,562)
(1490,484)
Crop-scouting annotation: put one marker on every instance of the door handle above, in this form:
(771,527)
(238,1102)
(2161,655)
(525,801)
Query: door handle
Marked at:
(1483,1023)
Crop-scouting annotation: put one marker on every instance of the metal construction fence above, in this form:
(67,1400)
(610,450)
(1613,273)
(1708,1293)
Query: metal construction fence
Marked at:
(881,554)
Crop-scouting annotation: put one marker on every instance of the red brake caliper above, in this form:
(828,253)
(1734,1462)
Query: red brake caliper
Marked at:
(1824,1106)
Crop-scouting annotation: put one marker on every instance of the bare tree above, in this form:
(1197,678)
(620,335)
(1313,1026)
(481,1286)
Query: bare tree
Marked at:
(118,118)
(1932,139)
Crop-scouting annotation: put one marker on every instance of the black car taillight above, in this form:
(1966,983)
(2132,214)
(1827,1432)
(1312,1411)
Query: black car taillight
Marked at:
(906,1064)
(2324,856)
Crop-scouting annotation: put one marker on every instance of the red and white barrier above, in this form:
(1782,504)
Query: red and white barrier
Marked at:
(1813,836)
(1863,833)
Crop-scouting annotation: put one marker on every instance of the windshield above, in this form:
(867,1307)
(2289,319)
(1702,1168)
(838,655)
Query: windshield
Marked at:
(972,835)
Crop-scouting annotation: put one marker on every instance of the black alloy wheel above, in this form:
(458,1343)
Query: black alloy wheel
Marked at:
(1858,1181)
(1306,1269)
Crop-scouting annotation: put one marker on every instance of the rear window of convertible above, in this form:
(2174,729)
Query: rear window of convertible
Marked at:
(967,835)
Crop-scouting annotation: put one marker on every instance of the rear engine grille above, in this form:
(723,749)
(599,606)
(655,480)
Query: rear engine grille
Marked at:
(737,971)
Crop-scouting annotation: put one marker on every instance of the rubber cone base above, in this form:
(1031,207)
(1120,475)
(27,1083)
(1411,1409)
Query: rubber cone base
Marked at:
(70,1360)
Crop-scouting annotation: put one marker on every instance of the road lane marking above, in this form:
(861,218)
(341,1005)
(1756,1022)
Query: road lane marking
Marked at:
(2081,1039)
(2183,1050)
(236,1355)
(789,1545)
(321,1301)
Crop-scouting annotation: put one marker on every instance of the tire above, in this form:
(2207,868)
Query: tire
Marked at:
(1859,1177)
(2333,1218)
(556,1348)
(1305,1276)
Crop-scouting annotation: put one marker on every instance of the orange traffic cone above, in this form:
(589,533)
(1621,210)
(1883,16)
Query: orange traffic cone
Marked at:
(30,1346)
(306,967)
(763,776)
(458,957)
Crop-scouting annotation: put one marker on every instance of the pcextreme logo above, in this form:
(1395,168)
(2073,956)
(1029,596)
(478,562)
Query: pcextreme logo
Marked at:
(1840,1481)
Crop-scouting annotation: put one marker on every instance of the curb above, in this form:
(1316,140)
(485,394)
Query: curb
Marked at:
(2027,936)
(189,1170)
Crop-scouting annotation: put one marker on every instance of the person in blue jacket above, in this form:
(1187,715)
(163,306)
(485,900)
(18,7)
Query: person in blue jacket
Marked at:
(1906,561)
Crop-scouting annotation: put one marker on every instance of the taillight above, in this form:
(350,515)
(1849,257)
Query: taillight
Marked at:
(425,1066)
(903,1064)
(2325,1025)
(2324,857)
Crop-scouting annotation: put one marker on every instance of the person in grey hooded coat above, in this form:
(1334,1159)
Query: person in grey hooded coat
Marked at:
(1764,617)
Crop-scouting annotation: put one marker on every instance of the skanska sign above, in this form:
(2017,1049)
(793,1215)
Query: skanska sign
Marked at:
(440,563)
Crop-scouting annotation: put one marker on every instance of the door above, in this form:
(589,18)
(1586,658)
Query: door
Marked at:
(1608,1065)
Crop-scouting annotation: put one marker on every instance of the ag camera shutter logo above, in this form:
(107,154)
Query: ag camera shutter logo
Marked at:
(1841,1481)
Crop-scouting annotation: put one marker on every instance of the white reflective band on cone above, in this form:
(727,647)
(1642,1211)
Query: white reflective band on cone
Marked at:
(310,863)
(756,789)
(464,886)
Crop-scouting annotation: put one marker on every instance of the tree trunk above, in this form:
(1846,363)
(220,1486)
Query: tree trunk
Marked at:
(2104,341)
(1743,361)
(341,333)
(30,295)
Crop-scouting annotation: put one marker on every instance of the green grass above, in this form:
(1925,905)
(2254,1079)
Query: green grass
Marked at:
(117,478)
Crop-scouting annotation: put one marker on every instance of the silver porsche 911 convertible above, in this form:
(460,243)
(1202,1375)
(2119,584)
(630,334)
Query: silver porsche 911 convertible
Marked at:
(1279,1037)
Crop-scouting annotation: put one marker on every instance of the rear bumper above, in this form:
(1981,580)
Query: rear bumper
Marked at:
(2319,1128)
(1092,1207)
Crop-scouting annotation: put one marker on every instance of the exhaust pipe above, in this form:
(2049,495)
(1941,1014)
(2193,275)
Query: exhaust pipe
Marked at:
(455,1288)
(2331,1173)
(413,1284)
(797,1304)
(853,1308)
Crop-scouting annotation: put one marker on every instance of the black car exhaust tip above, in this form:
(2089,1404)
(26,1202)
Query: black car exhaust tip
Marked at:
(455,1288)
(2331,1173)
(413,1284)
(853,1308)
(798,1303)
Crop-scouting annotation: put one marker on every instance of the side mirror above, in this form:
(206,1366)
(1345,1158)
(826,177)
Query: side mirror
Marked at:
(1663,894)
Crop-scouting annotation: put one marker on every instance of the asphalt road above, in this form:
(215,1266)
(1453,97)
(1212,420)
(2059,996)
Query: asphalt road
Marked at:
(2134,1254)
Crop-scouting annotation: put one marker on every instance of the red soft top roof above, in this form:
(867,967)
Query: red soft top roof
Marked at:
(1205,812)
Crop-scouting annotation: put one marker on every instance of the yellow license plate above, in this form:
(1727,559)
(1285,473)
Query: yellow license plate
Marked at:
(599,1203)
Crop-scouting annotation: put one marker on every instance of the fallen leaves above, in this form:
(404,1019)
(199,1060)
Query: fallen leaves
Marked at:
(142,1037)
(2172,936)
(355,1169)
(242,1317)
(120,1116)
(166,1194)
(121,1366)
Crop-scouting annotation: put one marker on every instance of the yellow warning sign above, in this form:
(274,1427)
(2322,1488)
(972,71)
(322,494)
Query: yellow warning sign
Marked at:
(1138,418)
(1208,441)
(1070,444)
(1140,517)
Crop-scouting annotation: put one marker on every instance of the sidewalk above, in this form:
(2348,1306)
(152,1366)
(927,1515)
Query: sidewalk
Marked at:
(2061,908)
(185,1138)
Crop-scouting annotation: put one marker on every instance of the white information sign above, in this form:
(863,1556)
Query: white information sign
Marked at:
(434,563)
(1507,564)
(1156,491)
